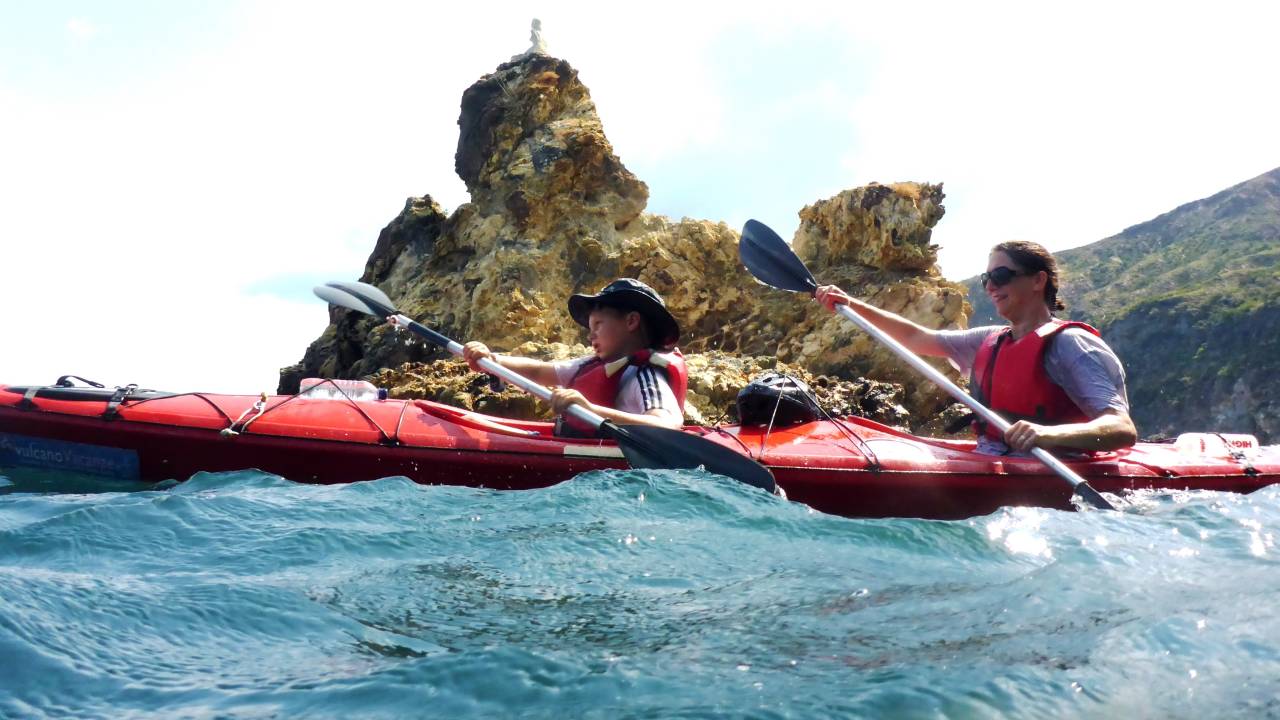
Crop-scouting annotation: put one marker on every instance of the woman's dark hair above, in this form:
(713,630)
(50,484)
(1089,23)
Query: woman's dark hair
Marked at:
(1032,258)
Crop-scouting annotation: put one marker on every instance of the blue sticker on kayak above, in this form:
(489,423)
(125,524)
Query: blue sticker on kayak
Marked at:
(73,457)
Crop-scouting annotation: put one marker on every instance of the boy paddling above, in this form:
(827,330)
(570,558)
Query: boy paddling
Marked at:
(636,376)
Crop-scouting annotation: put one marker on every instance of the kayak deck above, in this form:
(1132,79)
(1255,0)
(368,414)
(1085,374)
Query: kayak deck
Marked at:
(852,466)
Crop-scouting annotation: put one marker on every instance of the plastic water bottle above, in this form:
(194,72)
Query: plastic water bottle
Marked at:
(324,389)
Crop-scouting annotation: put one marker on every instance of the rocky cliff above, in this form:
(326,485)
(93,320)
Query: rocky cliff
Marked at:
(553,211)
(1190,301)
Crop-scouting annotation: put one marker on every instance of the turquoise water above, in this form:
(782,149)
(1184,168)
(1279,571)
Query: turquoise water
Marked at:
(622,594)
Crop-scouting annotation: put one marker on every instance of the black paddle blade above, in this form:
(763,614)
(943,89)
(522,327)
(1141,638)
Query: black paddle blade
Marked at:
(648,447)
(1093,497)
(770,259)
(342,298)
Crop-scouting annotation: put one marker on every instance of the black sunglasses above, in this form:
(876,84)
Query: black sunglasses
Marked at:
(1000,276)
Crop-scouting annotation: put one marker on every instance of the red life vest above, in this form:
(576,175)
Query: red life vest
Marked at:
(599,381)
(1009,377)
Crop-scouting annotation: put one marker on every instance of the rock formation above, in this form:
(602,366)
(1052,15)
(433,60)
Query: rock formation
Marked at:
(553,211)
(715,378)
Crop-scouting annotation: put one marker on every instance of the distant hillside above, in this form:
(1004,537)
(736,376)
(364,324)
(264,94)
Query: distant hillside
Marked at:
(1191,303)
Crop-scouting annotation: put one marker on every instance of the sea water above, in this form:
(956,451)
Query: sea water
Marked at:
(635,594)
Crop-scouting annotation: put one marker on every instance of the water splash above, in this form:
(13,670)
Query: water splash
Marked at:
(623,594)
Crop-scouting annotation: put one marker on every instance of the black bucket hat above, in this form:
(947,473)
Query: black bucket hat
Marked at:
(630,294)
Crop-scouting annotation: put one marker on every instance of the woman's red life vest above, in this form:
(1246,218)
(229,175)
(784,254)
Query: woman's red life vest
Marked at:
(599,381)
(1009,377)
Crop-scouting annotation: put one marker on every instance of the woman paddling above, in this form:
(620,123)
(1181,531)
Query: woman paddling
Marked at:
(1060,382)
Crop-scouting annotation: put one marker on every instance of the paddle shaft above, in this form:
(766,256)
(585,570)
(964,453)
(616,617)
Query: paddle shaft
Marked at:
(644,446)
(954,390)
(495,368)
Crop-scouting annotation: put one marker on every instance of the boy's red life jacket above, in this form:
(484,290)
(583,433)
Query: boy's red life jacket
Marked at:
(599,381)
(1009,377)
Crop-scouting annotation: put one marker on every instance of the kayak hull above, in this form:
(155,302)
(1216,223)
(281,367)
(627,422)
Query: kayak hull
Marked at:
(855,468)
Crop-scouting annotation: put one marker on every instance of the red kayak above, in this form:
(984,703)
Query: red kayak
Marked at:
(852,466)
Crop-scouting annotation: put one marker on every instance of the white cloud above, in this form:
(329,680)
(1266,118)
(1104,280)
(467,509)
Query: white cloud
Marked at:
(165,334)
(1066,126)
(142,213)
(137,213)
(81,28)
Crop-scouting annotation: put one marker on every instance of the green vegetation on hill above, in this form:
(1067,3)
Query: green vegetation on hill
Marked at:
(1191,303)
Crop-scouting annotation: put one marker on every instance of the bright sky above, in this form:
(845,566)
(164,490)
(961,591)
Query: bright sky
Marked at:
(175,176)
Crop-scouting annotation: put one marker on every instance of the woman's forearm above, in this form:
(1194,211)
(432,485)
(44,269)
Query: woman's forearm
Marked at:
(918,339)
(1112,430)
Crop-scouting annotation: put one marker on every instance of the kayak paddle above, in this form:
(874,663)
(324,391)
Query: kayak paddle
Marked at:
(644,446)
(773,263)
